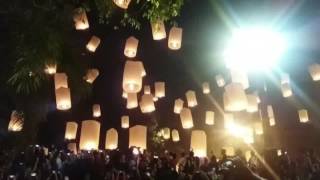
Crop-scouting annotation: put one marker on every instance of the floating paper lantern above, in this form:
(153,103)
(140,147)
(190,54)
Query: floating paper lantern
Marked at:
(93,43)
(279,152)
(199,143)
(191,98)
(228,120)
(272,121)
(314,71)
(73,147)
(141,68)
(238,76)
(258,128)
(175,135)
(111,139)
(252,103)
(209,117)
(71,130)
(248,155)
(122,3)
(138,137)
(80,19)
(286,90)
(132,100)
(220,80)
(175,38)
(186,118)
(60,80)
(178,105)
(16,121)
(51,69)
(147,89)
(166,133)
(63,98)
(158,30)
(147,104)
(236,97)
(96,110)
(131,47)
(132,76)
(90,133)
(159,88)
(92,75)
(125,122)
(303,115)
(205,88)
(270,111)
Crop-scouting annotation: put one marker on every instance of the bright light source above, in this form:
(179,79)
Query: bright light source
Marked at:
(254,49)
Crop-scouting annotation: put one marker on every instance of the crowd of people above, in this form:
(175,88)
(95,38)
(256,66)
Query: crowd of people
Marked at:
(37,163)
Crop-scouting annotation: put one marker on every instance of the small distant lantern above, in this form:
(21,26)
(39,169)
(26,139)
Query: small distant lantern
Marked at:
(314,71)
(209,117)
(80,19)
(91,75)
(279,152)
(132,76)
(178,105)
(220,80)
(93,43)
(248,155)
(124,4)
(147,104)
(272,121)
(60,80)
(90,133)
(236,97)
(270,111)
(159,88)
(158,30)
(96,110)
(71,130)
(199,143)
(132,100)
(125,122)
(147,89)
(186,118)
(166,133)
(286,90)
(16,121)
(205,88)
(228,120)
(131,47)
(138,137)
(124,95)
(175,135)
(252,103)
(191,98)
(241,77)
(73,147)
(51,69)
(175,38)
(258,128)
(111,139)
(226,102)
(63,98)
(303,115)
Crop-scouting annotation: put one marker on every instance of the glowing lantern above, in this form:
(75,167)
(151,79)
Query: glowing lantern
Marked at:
(303,115)
(147,104)
(124,95)
(141,67)
(286,90)
(166,133)
(90,133)
(175,135)
(258,128)
(209,117)
(272,121)
(175,38)
(91,75)
(158,30)
(51,69)
(229,150)
(125,122)
(220,80)
(63,98)
(270,111)
(111,139)
(122,3)
(186,118)
(96,110)
(236,97)
(199,143)
(147,89)
(73,147)
(132,100)
(131,47)
(80,19)
(159,88)
(228,120)
(60,80)
(314,71)
(178,105)
(248,155)
(138,136)
(241,77)
(93,44)
(132,76)
(285,79)
(279,152)
(71,130)
(205,88)
(191,98)
(252,103)
(16,121)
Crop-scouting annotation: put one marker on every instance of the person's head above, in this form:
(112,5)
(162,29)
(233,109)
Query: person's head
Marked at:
(213,158)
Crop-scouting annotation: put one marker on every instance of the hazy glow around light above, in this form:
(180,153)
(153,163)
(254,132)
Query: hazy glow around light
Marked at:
(254,49)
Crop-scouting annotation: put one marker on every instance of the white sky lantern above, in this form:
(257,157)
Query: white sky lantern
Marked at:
(80,19)
(314,71)
(205,88)
(159,88)
(125,123)
(285,79)
(199,143)
(60,80)
(209,117)
(131,47)
(158,30)
(175,135)
(272,121)
(186,118)
(63,98)
(236,97)
(147,89)
(286,90)
(111,139)
(258,128)
(303,115)
(178,105)
(238,76)
(141,68)
(175,38)
(93,43)
(132,76)
(228,120)
(220,80)
(92,75)
(270,111)
(191,98)
(96,110)
(147,104)
(72,147)
(51,69)
(124,4)
(166,133)
(132,100)
(279,152)
(71,130)
(138,136)
(252,103)
(16,122)
(90,134)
